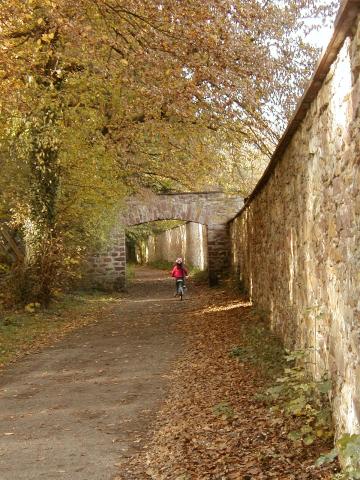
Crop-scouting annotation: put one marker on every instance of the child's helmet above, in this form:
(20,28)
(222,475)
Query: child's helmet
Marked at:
(179,260)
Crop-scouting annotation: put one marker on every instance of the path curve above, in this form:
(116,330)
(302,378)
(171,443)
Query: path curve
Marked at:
(73,411)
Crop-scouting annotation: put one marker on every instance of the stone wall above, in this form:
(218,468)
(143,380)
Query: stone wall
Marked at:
(296,244)
(207,208)
(188,241)
(106,269)
(213,209)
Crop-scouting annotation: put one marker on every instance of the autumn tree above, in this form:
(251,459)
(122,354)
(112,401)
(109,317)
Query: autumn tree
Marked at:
(192,68)
(105,97)
(58,175)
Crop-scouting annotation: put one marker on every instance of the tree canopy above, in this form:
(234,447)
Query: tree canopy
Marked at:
(105,97)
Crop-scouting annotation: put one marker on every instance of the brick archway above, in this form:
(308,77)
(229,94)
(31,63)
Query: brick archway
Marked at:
(213,209)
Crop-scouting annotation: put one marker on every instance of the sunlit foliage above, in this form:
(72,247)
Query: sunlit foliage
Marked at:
(101,98)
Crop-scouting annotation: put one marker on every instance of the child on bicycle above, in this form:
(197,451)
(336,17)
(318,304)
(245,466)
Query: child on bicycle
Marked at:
(179,272)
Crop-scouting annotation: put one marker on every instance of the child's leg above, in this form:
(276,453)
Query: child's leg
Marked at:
(179,283)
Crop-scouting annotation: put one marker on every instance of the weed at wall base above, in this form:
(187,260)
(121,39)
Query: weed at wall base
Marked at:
(295,401)
(347,451)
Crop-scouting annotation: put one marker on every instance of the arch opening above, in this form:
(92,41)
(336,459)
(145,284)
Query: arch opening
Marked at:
(159,243)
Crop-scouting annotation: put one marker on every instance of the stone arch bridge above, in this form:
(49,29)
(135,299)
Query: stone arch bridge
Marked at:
(213,209)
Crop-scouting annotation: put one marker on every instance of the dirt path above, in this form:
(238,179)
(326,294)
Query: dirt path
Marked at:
(75,410)
(151,392)
(212,425)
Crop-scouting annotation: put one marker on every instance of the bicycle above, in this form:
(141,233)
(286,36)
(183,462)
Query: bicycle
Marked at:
(180,287)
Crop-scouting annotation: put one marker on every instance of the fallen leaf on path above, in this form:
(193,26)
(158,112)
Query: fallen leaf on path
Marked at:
(211,427)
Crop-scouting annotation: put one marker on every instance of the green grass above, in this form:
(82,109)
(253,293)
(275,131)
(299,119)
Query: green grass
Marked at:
(130,272)
(161,264)
(199,276)
(22,331)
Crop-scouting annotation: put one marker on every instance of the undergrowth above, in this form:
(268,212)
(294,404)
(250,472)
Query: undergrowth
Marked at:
(347,451)
(303,401)
(293,397)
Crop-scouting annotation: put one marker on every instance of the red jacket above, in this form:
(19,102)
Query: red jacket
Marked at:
(179,272)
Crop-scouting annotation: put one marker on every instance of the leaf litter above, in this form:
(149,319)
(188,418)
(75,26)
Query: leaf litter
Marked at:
(211,426)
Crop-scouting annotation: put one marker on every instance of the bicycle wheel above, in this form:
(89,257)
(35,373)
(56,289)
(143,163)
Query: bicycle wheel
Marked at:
(180,288)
